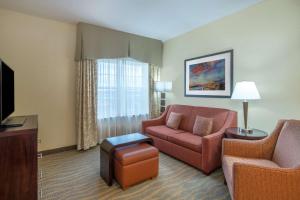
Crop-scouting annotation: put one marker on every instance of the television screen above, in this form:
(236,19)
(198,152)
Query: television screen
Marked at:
(7,101)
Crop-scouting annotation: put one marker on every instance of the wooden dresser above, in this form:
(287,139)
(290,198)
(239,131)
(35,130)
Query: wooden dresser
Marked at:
(18,161)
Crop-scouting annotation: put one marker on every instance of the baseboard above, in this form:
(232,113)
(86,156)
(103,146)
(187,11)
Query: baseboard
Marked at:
(58,150)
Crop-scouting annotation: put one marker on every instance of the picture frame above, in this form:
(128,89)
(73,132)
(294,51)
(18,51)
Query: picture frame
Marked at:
(209,75)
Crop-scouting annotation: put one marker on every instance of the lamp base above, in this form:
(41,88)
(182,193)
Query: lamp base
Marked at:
(243,130)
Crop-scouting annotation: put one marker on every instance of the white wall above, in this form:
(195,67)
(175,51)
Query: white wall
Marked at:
(266,43)
(41,52)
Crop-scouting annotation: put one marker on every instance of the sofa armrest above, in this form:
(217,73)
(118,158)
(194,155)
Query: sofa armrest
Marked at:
(211,151)
(257,182)
(212,145)
(155,122)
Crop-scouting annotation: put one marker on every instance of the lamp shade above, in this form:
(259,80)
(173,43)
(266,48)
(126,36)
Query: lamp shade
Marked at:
(163,86)
(245,90)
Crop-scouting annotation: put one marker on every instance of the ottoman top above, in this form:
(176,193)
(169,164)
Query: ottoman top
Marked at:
(135,153)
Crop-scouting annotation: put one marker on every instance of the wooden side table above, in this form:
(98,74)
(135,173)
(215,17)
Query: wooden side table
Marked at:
(235,132)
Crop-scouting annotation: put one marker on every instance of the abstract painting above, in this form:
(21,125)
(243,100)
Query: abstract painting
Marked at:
(209,75)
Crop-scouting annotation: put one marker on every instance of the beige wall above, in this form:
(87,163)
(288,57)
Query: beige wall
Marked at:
(41,52)
(266,43)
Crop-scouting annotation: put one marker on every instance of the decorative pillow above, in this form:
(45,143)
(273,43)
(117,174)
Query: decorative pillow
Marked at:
(203,126)
(174,120)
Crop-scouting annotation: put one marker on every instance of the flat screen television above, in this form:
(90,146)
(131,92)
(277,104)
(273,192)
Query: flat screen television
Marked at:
(7,93)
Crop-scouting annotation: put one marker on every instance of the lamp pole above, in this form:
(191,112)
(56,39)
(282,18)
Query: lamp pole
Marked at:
(245,108)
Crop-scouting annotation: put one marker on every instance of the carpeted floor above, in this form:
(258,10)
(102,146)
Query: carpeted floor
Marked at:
(74,175)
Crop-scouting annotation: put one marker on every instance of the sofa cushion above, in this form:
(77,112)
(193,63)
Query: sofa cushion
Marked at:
(189,114)
(286,153)
(203,126)
(228,162)
(186,123)
(187,140)
(219,116)
(162,131)
(174,120)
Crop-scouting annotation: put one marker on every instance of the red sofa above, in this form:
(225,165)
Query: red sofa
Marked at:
(203,153)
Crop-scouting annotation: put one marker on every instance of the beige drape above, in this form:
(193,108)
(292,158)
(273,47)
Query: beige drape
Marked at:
(86,104)
(96,42)
(154,76)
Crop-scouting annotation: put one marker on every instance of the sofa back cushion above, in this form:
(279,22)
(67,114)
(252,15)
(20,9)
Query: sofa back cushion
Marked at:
(219,116)
(189,114)
(174,120)
(203,126)
(185,111)
(287,149)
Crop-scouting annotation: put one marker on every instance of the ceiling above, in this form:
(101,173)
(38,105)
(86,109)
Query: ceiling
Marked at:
(160,19)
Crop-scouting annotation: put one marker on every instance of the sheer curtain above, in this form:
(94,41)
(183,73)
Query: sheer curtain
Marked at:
(123,96)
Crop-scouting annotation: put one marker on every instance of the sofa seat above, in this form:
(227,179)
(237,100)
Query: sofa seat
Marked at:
(162,132)
(187,140)
(228,162)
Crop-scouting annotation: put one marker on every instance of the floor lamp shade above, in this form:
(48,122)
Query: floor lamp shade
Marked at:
(163,86)
(245,90)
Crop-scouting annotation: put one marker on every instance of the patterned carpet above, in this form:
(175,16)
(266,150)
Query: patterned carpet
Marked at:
(74,175)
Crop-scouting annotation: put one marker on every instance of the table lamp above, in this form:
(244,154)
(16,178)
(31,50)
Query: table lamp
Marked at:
(163,87)
(245,90)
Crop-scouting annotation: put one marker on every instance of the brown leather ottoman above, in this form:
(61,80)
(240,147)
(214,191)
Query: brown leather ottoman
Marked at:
(135,163)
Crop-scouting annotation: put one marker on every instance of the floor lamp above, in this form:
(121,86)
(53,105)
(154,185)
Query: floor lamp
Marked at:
(163,87)
(245,91)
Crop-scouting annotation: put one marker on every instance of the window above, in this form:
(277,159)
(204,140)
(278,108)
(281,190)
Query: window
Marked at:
(123,88)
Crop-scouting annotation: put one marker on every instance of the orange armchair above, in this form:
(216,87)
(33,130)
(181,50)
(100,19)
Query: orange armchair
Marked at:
(267,169)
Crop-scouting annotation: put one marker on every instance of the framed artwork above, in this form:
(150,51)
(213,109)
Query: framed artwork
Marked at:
(209,75)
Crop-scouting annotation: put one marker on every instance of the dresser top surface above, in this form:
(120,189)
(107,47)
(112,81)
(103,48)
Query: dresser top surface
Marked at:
(31,123)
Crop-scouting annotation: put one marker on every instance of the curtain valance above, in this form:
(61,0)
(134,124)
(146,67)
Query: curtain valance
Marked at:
(95,42)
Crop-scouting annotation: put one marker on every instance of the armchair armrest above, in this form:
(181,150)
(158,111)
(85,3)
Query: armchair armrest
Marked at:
(256,182)
(253,149)
(212,145)
(155,122)
(243,148)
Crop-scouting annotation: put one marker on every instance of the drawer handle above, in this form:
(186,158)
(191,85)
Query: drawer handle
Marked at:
(40,155)
(39,141)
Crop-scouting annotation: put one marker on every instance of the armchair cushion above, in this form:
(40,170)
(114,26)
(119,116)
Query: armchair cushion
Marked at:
(286,153)
(187,140)
(229,161)
(268,183)
(162,131)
